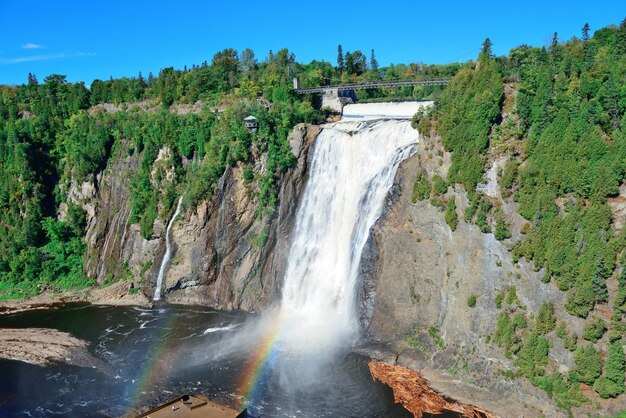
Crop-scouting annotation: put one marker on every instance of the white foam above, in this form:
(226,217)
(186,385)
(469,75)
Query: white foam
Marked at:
(389,110)
(220,329)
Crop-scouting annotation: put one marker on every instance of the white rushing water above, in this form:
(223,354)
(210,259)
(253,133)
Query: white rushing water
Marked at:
(168,251)
(353,166)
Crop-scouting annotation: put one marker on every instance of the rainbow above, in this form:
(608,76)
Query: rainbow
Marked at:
(158,358)
(250,384)
(259,365)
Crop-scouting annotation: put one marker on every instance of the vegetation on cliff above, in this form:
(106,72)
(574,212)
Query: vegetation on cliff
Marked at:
(183,128)
(561,130)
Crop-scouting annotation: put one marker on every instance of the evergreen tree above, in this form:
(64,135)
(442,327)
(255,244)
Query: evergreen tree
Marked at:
(373,62)
(615,366)
(485,52)
(340,62)
(32,80)
(587,365)
(621,38)
(600,291)
(450,215)
(555,41)
(586,32)
(612,383)
(546,320)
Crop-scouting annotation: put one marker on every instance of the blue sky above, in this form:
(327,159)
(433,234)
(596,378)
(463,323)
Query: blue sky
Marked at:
(86,40)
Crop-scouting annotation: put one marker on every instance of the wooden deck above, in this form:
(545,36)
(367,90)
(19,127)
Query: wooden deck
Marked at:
(192,407)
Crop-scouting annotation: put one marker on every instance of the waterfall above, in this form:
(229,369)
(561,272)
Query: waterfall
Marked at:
(353,167)
(168,252)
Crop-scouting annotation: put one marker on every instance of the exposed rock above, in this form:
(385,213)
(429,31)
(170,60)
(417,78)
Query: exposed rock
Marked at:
(41,346)
(118,294)
(418,277)
(219,259)
(412,391)
(618,208)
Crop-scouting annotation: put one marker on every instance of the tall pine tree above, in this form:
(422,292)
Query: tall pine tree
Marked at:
(373,62)
(341,66)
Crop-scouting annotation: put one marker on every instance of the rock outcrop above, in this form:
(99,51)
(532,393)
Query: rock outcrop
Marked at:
(42,346)
(412,391)
(417,277)
(224,255)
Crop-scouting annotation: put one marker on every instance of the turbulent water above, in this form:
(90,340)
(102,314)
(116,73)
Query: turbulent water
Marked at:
(168,252)
(353,167)
(153,355)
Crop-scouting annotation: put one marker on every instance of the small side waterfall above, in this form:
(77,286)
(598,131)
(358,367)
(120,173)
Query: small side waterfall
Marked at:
(168,252)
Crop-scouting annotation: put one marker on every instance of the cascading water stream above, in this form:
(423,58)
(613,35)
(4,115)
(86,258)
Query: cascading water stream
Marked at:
(168,251)
(352,170)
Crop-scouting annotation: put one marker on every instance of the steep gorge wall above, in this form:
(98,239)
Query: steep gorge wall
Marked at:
(418,275)
(223,254)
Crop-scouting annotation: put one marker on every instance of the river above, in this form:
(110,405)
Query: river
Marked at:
(156,354)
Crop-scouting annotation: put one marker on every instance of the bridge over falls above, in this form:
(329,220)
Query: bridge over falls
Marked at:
(370,85)
(335,97)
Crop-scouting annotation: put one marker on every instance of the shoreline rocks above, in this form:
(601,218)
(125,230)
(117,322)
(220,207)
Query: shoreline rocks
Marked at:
(412,391)
(43,346)
(117,294)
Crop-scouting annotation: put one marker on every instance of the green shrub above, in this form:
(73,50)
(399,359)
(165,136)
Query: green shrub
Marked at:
(439,185)
(450,215)
(471,301)
(502,228)
(594,329)
(421,188)
(434,332)
(566,392)
(499,299)
(511,296)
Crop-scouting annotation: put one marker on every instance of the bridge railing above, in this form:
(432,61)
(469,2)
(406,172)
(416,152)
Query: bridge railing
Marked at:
(375,84)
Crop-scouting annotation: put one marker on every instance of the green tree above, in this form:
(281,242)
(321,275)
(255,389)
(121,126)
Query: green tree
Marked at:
(356,63)
(450,215)
(373,63)
(340,60)
(587,365)
(594,329)
(585,32)
(546,320)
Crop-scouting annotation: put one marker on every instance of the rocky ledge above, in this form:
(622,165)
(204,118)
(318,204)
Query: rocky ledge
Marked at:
(42,346)
(412,391)
(117,294)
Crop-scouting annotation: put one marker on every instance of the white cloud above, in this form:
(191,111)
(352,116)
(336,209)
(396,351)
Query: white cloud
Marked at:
(31,45)
(45,57)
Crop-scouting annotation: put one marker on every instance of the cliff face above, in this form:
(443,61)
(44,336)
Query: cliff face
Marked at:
(223,254)
(226,257)
(418,275)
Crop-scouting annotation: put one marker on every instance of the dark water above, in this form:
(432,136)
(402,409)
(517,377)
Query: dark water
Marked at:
(151,355)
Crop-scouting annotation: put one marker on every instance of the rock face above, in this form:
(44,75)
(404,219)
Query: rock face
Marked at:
(417,277)
(227,257)
(224,255)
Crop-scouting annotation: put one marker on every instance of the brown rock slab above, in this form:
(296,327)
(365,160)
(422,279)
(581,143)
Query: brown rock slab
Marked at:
(412,391)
